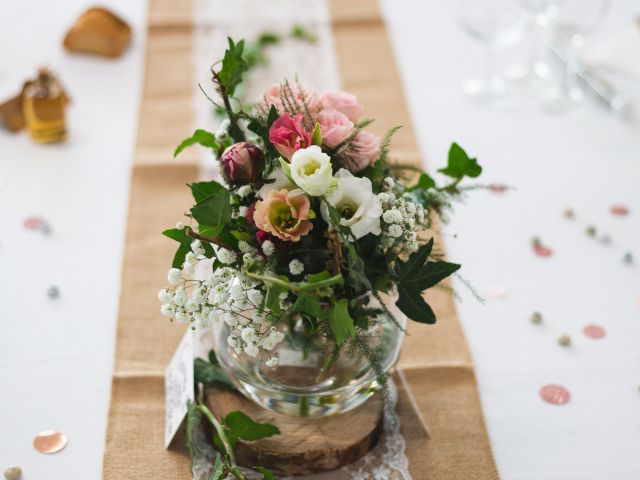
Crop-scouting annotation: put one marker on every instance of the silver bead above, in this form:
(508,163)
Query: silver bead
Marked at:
(53,292)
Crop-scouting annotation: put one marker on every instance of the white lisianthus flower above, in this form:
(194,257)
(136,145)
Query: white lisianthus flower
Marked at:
(360,209)
(277,180)
(311,170)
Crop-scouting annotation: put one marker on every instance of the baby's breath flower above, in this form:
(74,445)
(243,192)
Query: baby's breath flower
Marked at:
(182,317)
(395,230)
(197,248)
(226,256)
(244,190)
(296,267)
(167,310)
(179,225)
(268,248)
(165,296)
(392,216)
(273,361)
(251,350)
(174,276)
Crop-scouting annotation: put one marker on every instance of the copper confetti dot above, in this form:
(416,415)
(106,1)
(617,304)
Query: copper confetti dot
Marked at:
(568,213)
(591,231)
(594,331)
(49,441)
(619,210)
(498,187)
(555,394)
(542,251)
(536,318)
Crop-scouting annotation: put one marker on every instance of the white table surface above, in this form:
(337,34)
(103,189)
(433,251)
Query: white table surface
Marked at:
(56,356)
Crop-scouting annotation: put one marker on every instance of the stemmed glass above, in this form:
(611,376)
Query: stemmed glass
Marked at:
(570,21)
(495,23)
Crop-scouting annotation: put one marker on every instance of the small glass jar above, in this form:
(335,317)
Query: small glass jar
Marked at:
(310,379)
(44,102)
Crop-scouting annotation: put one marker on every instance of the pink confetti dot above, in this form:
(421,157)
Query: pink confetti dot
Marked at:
(33,223)
(555,394)
(619,210)
(498,187)
(542,251)
(594,331)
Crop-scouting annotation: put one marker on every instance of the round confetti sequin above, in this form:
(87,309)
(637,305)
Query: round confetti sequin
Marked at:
(34,223)
(555,394)
(619,210)
(542,251)
(49,441)
(594,331)
(498,187)
(494,293)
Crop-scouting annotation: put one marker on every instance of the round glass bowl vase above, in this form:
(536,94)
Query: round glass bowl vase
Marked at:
(310,379)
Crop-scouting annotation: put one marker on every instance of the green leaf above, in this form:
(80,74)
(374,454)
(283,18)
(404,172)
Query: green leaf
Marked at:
(185,245)
(203,190)
(266,473)
(238,425)
(193,420)
(180,255)
(233,66)
(309,305)
(356,277)
(286,167)
(272,299)
(204,138)
(425,182)
(207,372)
(416,275)
(215,211)
(340,321)
(218,469)
(316,135)
(460,165)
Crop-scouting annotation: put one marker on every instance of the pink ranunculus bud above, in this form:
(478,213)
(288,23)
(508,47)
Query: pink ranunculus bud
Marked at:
(288,135)
(335,126)
(343,102)
(242,163)
(363,152)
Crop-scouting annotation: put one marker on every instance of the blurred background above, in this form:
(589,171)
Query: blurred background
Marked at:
(544,93)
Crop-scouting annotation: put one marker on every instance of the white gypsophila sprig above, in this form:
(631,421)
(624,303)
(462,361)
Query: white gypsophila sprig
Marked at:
(296,267)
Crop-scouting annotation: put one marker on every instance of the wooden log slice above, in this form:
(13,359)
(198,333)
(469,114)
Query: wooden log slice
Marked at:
(305,445)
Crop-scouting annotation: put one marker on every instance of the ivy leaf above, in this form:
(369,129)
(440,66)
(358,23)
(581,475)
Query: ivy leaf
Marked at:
(266,473)
(356,278)
(204,138)
(218,469)
(272,299)
(340,321)
(460,165)
(215,211)
(238,425)
(308,304)
(185,245)
(233,66)
(425,182)
(203,190)
(193,420)
(206,372)
(416,275)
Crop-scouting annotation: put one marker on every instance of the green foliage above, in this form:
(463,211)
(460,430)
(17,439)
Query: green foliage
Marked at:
(238,425)
(316,135)
(299,32)
(193,420)
(460,165)
(185,245)
(416,275)
(340,321)
(356,277)
(203,190)
(266,473)
(309,305)
(215,211)
(218,469)
(233,66)
(202,137)
(425,182)
(274,289)
(207,372)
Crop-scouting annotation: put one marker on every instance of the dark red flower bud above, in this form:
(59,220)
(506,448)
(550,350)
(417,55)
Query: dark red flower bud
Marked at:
(242,163)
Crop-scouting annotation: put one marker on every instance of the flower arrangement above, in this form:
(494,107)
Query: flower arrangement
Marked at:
(313,220)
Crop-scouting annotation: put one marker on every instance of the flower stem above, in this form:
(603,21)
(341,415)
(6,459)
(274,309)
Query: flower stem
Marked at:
(223,437)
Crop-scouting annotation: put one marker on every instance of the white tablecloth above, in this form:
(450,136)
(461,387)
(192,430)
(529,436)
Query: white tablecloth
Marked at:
(56,356)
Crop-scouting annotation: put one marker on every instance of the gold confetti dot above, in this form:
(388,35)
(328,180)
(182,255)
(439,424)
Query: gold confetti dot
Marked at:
(564,340)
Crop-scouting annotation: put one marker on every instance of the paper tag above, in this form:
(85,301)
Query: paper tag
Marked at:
(178,387)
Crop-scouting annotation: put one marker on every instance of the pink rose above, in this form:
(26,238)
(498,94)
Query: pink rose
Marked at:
(288,135)
(343,102)
(364,151)
(335,127)
(284,214)
(242,163)
(300,93)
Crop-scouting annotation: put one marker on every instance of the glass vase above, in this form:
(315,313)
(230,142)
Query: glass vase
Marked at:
(311,379)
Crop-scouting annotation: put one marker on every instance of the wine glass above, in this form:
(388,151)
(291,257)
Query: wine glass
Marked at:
(570,21)
(495,23)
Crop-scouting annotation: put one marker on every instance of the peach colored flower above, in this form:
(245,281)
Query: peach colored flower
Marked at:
(335,127)
(288,135)
(364,151)
(301,94)
(284,214)
(343,102)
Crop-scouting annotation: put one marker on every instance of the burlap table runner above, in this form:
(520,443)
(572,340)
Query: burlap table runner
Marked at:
(436,360)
